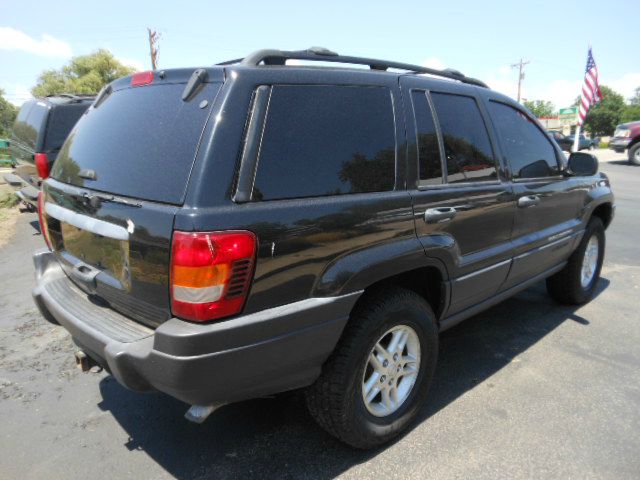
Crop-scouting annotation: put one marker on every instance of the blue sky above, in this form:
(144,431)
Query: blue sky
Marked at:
(481,39)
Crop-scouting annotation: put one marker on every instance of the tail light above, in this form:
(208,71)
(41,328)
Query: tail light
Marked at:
(42,165)
(42,218)
(210,273)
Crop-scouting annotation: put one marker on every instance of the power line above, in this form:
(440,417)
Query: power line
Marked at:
(520,65)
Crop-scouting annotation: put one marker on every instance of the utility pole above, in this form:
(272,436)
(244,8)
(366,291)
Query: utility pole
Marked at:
(520,65)
(153,47)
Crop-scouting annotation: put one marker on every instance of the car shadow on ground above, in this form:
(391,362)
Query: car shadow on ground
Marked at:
(625,163)
(276,438)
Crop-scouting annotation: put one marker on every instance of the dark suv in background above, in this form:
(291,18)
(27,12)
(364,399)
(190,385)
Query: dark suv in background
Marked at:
(240,230)
(40,129)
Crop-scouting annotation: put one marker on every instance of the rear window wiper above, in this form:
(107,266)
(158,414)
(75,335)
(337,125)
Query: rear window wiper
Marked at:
(95,199)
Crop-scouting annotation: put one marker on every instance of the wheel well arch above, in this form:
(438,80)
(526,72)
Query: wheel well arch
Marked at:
(604,212)
(428,282)
(634,141)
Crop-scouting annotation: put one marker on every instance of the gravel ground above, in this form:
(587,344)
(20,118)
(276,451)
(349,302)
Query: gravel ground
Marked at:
(526,389)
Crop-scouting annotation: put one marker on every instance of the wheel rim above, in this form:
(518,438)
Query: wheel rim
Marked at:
(391,371)
(637,154)
(589,262)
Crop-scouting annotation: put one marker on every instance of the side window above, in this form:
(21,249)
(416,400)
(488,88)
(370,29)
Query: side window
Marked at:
(528,150)
(326,140)
(430,167)
(35,122)
(466,141)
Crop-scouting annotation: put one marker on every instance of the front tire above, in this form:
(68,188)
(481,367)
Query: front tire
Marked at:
(378,377)
(634,154)
(576,282)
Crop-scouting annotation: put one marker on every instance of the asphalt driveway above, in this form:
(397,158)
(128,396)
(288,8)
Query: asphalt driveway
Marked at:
(527,389)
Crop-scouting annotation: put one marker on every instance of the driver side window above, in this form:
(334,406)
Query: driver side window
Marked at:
(528,150)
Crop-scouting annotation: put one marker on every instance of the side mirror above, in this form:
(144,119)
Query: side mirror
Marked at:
(582,164)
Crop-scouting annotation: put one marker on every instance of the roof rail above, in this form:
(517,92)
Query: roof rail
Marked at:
(320,54)
(71,96)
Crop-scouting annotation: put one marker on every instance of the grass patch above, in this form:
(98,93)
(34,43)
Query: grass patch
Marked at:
(8,200)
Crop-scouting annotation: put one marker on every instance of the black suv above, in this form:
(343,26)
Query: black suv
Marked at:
(40,129)
(236,231)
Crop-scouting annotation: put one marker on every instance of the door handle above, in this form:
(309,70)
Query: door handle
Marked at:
(440,214)
(528,201)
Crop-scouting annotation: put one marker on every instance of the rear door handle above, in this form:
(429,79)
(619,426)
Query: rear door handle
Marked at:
(528,201)
(440,214)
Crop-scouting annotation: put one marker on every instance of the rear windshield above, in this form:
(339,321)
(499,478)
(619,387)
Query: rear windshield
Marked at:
(61,121)
(140,142)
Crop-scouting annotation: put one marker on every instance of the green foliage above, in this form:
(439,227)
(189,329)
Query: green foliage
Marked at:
(8,114)
(8,199)
(631,113)
(540,108)
(85,74)
(604,116)
(632,110)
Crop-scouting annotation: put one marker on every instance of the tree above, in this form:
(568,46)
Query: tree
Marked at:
(8,114)
(540,108)
(632,110)
(605,115)
(85,74)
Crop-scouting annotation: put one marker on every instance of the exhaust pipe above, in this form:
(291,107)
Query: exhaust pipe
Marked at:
(82,361)
(85,363)
(199,413)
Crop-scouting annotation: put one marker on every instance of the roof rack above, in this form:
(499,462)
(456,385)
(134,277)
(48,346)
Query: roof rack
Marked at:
(71,96)
(320,54)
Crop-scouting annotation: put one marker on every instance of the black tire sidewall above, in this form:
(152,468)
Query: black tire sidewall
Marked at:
(596,228)
(420,318)
(632,153)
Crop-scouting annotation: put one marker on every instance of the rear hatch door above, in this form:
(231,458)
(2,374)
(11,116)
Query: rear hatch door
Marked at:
(116,186)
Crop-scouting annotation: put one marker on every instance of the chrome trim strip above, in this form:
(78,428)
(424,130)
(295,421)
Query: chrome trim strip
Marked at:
(482,270)
(548,245)
(84,222)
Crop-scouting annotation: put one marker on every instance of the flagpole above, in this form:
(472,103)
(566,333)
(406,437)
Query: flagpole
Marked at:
(576,140)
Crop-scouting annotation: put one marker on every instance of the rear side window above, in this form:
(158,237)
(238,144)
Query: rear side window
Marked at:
(430,167)
(30,123)
(141,142)
(466,141)
(326,140)
(61,121)
(527,148)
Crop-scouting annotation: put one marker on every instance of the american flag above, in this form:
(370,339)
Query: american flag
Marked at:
(591,93)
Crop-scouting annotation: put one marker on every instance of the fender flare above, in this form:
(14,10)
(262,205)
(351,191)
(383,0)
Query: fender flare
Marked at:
(360,269)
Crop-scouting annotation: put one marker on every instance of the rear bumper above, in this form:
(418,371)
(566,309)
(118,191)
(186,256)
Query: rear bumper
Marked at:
(248,356)
(619,144)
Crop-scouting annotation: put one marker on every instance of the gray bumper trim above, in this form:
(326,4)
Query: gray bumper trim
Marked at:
(248,356)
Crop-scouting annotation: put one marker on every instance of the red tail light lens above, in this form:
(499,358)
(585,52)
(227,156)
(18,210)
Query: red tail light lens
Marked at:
(141,78)
(42,218)
(42,165)
(210,273)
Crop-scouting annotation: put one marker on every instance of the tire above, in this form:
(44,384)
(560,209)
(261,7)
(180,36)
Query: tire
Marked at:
(634,154)
(568,286)
(336,400)
(592,147)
